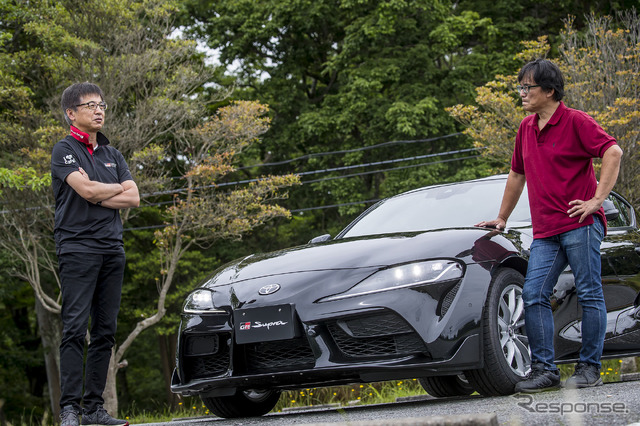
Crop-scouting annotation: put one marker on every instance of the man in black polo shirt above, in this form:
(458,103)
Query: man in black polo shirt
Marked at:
(91,182)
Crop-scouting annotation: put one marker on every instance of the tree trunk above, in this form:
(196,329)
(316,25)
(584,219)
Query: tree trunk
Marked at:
(50,329)
(117,354)
(110,393)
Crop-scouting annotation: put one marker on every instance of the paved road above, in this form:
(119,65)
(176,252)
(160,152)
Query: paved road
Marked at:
(611,404)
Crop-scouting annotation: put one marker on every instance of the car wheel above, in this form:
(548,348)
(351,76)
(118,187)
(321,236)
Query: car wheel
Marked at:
(247,403)
(505,345)
(445,386)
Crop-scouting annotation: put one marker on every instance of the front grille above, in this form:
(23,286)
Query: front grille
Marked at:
(447,300)
(371,326)
(375,335)
(280,355)
(206,356)
(206,366)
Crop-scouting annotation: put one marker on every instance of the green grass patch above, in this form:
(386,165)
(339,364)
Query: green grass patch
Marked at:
(368,393)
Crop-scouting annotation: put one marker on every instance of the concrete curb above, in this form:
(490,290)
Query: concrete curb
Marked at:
(489,419)
(415,398)
(629,377)
(311,407)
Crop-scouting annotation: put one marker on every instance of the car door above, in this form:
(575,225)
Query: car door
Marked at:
(620,249)
(621,286)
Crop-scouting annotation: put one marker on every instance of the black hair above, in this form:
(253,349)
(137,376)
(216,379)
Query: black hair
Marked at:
(546,74)
(73,94)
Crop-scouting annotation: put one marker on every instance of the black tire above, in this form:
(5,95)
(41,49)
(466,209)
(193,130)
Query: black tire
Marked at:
(444,386)
(248,403)
(505,345)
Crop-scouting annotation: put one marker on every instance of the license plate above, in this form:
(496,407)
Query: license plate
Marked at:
(264,324)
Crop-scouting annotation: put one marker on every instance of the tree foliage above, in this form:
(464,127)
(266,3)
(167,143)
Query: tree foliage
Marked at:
(493,121)
(200,214)
(347,74)
(602,74)
(158,117)
(338,75)
(602,66)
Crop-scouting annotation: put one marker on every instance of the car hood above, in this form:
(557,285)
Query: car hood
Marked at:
(367,252)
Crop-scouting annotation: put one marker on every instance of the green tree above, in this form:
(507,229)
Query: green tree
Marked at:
(341,75)
(517,20)
(158,117)
(199,214)
(601,67)
(22,372)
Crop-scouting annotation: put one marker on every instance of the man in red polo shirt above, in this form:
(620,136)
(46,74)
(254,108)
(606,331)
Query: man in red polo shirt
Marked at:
(553,154)
(91,182)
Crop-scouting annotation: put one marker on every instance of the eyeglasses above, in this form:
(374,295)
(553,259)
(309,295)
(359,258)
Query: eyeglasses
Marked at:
(93,105)
(525,88)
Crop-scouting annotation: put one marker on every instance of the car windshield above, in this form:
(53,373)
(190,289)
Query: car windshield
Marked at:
(448,206)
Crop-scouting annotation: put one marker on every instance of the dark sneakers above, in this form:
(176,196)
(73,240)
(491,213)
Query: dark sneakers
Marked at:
(69,416)
(539,380)
(101,417)
(585,376)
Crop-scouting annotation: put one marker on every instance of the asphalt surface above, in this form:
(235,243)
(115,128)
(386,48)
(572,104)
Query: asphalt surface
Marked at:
(611,404)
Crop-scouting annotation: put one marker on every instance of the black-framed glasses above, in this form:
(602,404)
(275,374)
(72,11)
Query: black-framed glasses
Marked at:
(524,88)
(93,105)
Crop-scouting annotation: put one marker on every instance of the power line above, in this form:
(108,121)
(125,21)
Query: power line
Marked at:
(330,206)
(449,160)
(175,191)
(392,169)
(311,172)
(348,151)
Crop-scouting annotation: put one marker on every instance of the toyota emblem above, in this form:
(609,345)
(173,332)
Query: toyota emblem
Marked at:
(269,289)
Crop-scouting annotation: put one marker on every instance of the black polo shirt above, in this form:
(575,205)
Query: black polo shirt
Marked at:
(81,226)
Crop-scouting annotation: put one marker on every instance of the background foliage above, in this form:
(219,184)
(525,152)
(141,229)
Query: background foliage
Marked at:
(601,66)
(353,96)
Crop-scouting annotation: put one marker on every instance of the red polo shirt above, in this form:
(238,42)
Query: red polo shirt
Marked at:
(557,163)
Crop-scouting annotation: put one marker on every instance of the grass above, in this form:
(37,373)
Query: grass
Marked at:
(370,393)
(610,370)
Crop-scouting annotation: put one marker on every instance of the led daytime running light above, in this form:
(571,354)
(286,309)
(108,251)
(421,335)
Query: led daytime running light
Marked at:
(403,276)
(201,302)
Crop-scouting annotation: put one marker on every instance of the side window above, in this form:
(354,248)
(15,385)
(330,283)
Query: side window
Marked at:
(626,217)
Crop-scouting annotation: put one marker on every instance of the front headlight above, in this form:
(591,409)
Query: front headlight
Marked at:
(402,276)
(201,302)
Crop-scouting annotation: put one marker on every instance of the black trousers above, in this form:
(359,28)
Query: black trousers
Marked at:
(91,287)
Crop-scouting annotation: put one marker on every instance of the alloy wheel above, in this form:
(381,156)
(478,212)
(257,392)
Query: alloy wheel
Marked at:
(512,334)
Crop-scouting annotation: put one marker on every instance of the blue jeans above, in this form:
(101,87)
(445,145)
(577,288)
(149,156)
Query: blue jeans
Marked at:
(580,249)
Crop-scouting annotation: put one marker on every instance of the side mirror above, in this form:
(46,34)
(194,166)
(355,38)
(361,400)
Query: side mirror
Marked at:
(610,210)
(320,239)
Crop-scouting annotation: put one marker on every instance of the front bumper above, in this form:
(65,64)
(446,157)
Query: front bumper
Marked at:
(399,334)
(467,357)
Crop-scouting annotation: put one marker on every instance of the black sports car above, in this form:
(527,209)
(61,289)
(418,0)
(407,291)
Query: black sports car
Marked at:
(410,289)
